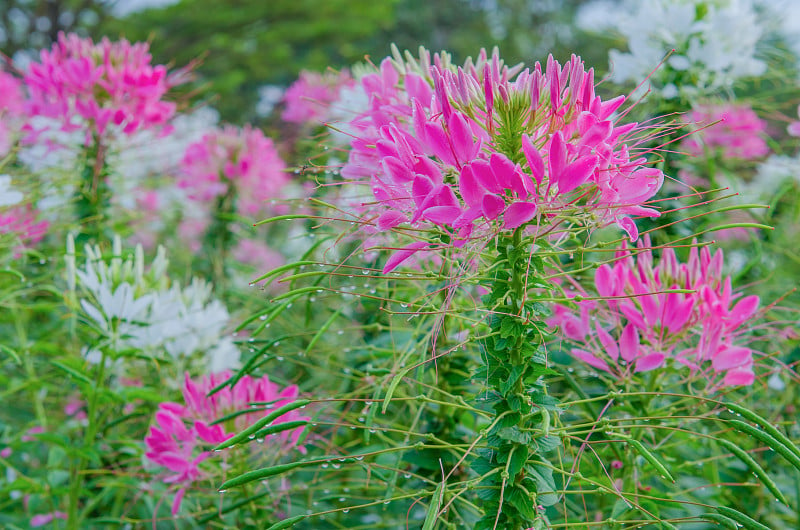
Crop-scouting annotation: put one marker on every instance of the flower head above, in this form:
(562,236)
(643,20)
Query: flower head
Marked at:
(637,327)
(490,147)
(182,434)
(243,162)
(91,85)
(740,133)
(308,99)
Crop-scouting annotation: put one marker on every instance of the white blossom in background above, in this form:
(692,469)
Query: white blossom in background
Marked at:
(782,17)
(8,195)
(268,97)
(142,309)
(715,42)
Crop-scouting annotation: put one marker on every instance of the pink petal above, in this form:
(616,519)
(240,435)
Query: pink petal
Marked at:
(176,504)
(468,185)
(627,224)
(629,343)
(403,254)
(492,206)
(590,359)
(534,158)
(649,362)
(391,219)
(518,214)
(739,377)
(576,173)
(731,357)
(608,342)
(442,215)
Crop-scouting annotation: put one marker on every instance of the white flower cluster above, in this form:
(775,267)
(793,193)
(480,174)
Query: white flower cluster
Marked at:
(715,42)
(143,310)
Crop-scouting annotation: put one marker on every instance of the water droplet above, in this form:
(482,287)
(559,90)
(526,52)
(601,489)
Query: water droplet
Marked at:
(223,491)
(359,458)
(325,466)
(346,510)
(262,317)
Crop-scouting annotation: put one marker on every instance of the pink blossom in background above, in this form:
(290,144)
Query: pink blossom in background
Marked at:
(182,434)
(46,518)
(309,98)
(81,84)
(633,330)
(21,221)
(435,148)
(257,254)
(242,161)
(741,133)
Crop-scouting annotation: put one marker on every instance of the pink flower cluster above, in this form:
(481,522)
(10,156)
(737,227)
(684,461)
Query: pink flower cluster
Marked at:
(78,81)
(181,433)
(309,98)
(490,146)
(740,133)
(21,222)
(233,160)
(636,330)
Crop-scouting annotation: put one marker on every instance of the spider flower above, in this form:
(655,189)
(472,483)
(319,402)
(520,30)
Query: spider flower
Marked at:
(637,327)
(485,146)
(740,133)
(20,222)
(182,434)
(83,84)
(242,162)
(308,100)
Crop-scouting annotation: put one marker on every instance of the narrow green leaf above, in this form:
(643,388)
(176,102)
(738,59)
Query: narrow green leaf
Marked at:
(288,523)
(766,425)
(768,439)
(288,217)
(742,519)
(392,387)
(71,371)
(260,424)
(650,457)
(755,468)
(433,508)
(260,474)
(280,427)
(721,520)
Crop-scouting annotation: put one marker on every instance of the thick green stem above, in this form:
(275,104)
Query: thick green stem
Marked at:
(514,370)
(93,196)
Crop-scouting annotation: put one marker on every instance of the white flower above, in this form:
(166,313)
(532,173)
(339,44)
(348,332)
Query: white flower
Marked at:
(715,42)
(135,308)
(8,195)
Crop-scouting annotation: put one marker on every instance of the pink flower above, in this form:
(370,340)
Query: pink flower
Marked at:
(257,254)
(85,84)
(46,518)
(242,162)
(182,434)
(637,328)
(309,98)
(740,134)
(21,222)
(489,147)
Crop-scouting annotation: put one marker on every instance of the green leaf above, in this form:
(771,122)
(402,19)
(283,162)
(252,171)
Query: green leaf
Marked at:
(288,523)
(757,470)
(517,498)
(650,457)
(546,491)
(513,434)
(260,474)
(742,519)
(768,439)
(433,508)
(548,443)
(244,436)
(519,456)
